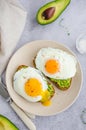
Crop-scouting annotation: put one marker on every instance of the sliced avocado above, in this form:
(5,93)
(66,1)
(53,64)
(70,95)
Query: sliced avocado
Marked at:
(51,11)
(62,83)
(51,89)
(6,124)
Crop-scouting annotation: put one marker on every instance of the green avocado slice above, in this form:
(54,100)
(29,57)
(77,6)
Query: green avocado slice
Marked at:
(62,83)
(6,124)
(51,89)
(51,11)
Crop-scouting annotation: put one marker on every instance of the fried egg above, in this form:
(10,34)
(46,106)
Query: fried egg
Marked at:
(55,63)
(31,85)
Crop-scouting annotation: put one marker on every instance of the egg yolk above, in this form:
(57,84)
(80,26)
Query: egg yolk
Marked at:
(52,66)
(46,98)
(33,87)
(47,103)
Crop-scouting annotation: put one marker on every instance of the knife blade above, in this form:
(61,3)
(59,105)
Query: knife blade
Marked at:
(23,116)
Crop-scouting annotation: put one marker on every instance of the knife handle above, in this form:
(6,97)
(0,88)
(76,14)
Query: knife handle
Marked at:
(32,116)
(27,121)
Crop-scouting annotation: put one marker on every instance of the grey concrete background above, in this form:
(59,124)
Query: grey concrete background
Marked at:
(65,30)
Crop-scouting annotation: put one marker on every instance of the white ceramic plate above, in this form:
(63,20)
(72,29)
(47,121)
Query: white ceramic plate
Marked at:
(61,100)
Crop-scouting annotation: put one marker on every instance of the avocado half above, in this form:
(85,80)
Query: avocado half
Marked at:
(6,124)
(51,11)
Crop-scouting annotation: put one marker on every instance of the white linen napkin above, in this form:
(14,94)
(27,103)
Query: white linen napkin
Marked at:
(12,21)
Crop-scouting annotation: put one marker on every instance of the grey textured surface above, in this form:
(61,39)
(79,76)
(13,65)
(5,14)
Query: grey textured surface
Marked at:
(73,21)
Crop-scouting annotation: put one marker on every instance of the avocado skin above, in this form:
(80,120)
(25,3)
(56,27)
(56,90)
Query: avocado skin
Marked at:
(55,3)
(6,124)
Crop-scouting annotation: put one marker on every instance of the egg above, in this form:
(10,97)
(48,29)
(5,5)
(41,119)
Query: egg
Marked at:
(31,85)
(56,63)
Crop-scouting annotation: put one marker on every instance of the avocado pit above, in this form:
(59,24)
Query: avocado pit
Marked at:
(48,13)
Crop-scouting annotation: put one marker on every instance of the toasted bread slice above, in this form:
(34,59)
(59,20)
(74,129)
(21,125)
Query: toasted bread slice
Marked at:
(21,66)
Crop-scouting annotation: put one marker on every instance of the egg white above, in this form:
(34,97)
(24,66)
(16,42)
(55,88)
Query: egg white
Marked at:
(67,62)
(21,76)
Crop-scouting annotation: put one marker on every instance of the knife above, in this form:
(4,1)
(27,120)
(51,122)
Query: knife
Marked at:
(23,116)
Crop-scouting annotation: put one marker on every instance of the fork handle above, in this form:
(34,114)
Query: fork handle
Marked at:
(27,121)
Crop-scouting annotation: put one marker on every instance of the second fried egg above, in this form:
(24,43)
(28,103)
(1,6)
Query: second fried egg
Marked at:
(56,63)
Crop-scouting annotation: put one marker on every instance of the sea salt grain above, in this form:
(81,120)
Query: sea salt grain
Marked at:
(81,43)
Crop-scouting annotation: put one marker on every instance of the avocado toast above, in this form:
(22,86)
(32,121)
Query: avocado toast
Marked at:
(44,89)
(55,64)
